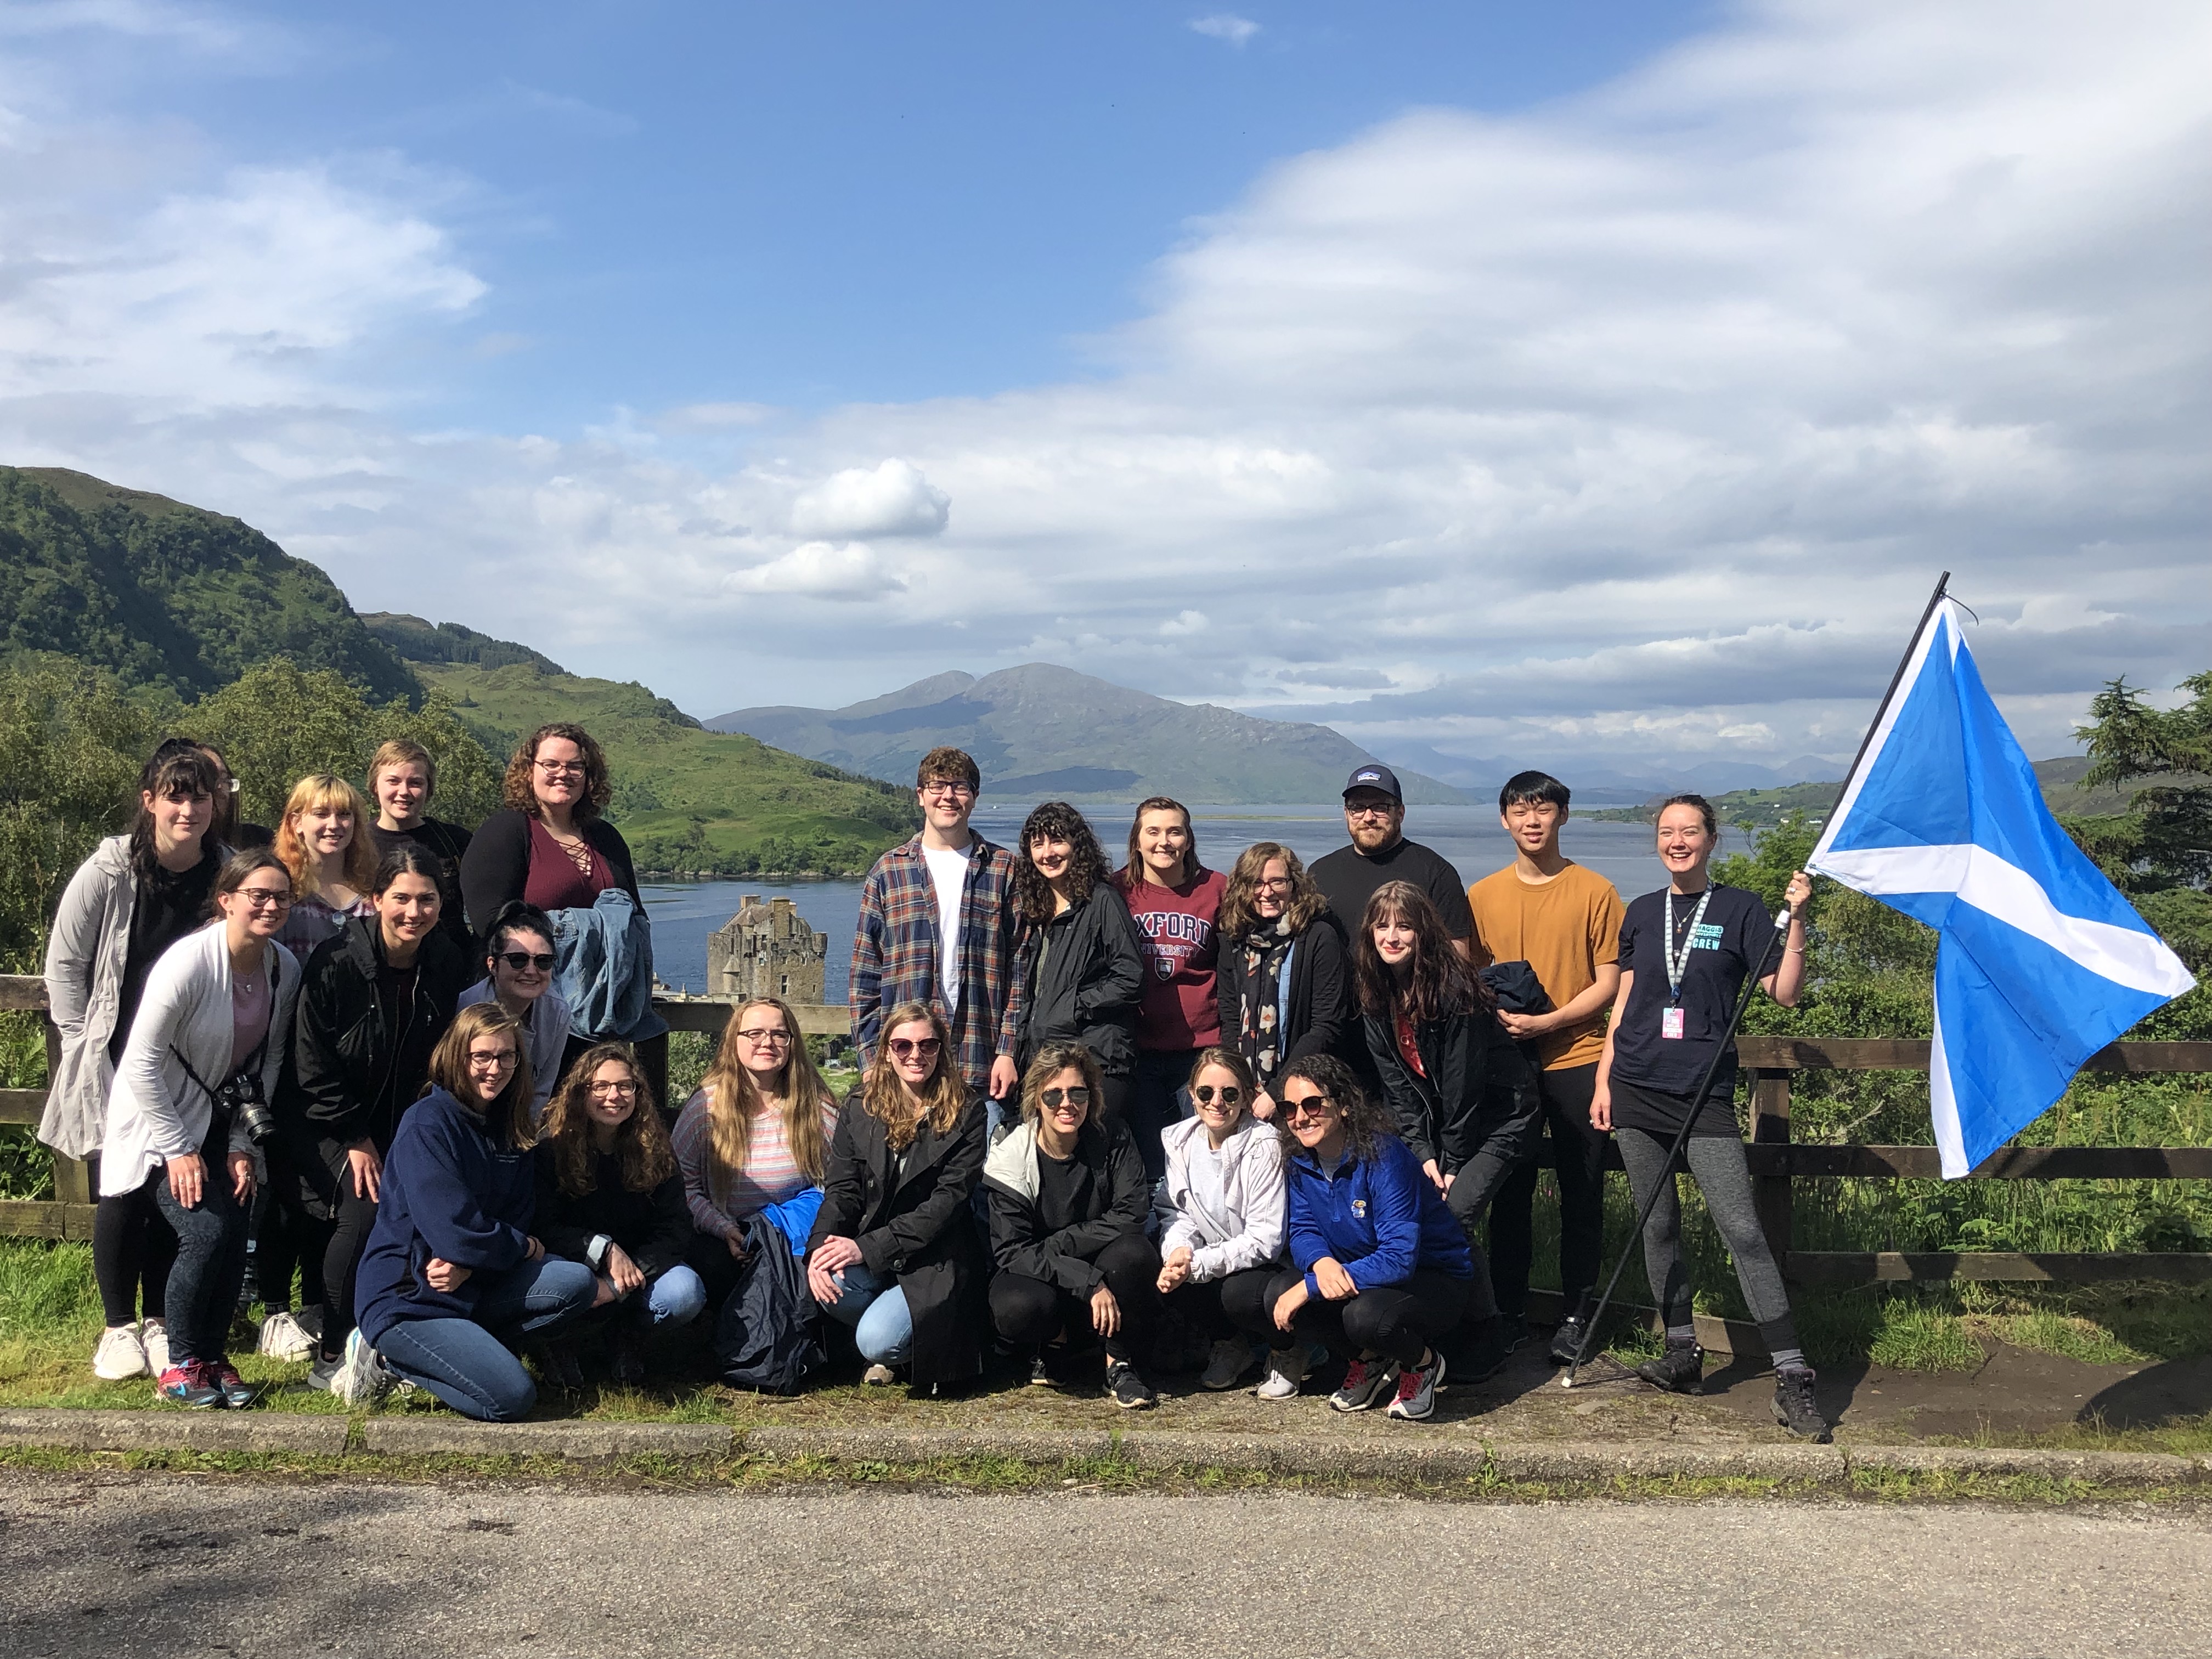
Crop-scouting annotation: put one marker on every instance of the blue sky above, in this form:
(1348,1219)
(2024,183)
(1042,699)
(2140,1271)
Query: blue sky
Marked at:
(1588,380)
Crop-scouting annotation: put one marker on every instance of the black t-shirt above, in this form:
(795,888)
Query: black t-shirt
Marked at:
(415,1038)
(168,904)
(1729,941)
(445,842)
(1348,877)
(1067,1194)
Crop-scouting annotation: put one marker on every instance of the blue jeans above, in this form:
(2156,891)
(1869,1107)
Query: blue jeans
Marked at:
(461,1362)
(211,1261)
(875,1307)
(677,1298)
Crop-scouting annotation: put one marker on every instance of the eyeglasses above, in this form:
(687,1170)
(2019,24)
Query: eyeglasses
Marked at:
(1231,1093)
(1310,1106)
(613,1091)
(958,791)
(1272,884)
(1052,1098)
(497,1062)
(762,1034)
(265,898)
(915,1047)
(1380,810)
(561,768)
(519,960)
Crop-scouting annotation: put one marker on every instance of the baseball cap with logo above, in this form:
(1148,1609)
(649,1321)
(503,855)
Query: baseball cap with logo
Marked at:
(1374,775)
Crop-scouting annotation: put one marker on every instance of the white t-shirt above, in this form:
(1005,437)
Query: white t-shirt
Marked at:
(948,873)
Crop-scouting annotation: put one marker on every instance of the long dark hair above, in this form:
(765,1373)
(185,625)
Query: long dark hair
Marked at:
(1366,1122)
(515,916)
(175,770)
(640,1141)
(1139,872)
(1438,986)
(1086,861)
(409,858)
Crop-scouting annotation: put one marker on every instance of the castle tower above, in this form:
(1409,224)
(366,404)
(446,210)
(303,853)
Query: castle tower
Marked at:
(767,950)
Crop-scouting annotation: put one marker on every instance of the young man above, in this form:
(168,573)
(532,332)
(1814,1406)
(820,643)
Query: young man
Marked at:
(1375,816)
(1563,920)
(937,926)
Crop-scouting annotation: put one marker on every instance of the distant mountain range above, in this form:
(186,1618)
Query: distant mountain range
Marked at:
(1040,730)
(1616,784)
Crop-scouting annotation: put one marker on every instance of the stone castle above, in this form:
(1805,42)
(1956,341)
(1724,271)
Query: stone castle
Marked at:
(766,951)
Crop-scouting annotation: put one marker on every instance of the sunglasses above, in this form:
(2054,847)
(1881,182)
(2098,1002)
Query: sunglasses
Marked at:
(1310,1106)
(519,960)
(915,1048)
(1078,1096)
(1230,1094)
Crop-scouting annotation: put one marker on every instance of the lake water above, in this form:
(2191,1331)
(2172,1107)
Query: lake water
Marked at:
(685,912)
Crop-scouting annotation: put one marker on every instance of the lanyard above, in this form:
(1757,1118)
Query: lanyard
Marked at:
(1678,964)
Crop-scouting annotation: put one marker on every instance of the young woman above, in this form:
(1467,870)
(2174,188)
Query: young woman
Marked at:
(1283,988)
(137,895)
(1220,1213)
(227,830)
(609,1195)
(549,846)
(1463,1097)
(517,963)
(401,779)
(189,1108)
(895,1252)
(1685,953)
(453,1272)
(324,840)
(1078,959)
(1068,1196)
(375,1001)
(1173,901)
(755,1133)
(1380,1269)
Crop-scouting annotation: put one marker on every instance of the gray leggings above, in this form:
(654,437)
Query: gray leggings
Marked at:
(1724,1178)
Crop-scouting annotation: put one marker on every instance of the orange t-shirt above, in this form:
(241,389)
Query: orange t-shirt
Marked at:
(1565,930)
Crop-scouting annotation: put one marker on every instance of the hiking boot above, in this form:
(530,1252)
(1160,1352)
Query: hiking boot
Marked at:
(119,1355)
(1041,1374)
(188,1383)
(1226,1365)
(1365,1380)
(1128,1391)
(1678,1371)
(1567,1340)
(154,1336)
(1417,1388)
(1485,1352)
(237,1392)
(283,1337)
(1795,1408)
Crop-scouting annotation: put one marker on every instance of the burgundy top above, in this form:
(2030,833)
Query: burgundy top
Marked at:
(555,882)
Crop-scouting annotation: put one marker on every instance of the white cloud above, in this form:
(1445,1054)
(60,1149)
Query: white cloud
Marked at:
(820,570)
(1226,26)
(889,499)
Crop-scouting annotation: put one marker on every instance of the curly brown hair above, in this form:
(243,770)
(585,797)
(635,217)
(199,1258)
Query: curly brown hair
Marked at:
(516,794)
(1366,1122)
(1439,984)
(640,1141)
(1239,916)
(1086,863)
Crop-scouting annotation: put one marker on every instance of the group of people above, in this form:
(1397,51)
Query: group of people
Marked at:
(1291,1115)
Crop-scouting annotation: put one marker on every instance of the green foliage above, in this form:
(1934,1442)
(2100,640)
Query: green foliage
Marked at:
(417,640)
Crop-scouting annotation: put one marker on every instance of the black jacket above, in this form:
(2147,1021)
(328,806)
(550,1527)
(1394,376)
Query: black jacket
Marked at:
(1120,1200)
(1321,1003)
(1084,974)
(1478,1091)
(496,867)
(448,844)
(653,1228)
(343,1086)
(917,1224)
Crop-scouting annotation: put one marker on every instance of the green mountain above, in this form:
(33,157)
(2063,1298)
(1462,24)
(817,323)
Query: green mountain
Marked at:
(163,595)
(1041,730)
(420,642)
(1760,808)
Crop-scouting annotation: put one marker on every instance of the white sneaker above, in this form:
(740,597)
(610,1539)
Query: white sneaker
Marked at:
(1286,1369)
(120,1354)
(880,1376)
(154,1337)
(283,1337)
(362,1379)
(1231,1358)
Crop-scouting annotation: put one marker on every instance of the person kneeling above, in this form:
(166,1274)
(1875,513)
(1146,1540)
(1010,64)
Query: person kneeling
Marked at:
(451,1271)
(1068,1197)
(1382,1268)
(610,1196)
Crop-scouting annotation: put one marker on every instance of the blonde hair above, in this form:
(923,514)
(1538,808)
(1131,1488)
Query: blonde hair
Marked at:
(403,752)
(734,1101)
(884,1093)
(318,790)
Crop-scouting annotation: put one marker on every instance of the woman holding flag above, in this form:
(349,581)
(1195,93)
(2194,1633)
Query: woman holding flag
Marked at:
(1685,953)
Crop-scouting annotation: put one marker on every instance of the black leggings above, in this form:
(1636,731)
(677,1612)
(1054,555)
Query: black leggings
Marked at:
(1228,1307)
(1399,1320)
(343,1238)
(1028,1313)
(285,1238)
(133,1248)
(1579,1153)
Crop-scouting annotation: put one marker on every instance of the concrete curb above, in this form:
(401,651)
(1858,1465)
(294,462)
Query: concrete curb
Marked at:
(582,1441)
(1667,1460)
(173,1431)
(861,1445)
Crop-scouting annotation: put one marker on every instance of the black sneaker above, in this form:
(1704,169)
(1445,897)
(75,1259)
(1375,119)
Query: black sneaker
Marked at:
(1795,1407)
(1567,1340)
(1128,1391)
(1485,1352)
(1678,1371)
(625,1361)
(1040,1373)
(557,1367)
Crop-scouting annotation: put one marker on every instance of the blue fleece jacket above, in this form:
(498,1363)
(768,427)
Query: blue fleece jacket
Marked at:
(1378,1218)
(454,1188)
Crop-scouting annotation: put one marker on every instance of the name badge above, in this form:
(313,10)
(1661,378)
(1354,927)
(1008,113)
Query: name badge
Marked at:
(1670,1023)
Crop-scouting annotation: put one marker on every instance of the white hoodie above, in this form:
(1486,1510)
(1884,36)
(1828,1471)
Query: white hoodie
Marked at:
(1249,1231)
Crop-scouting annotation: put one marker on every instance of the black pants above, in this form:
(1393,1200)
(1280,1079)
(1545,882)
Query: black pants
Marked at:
(344,1237)
(1580,1152)
(1156,1101)
(133,1248)
(1232,1306)
(1028,1313)
(1399,1320)
(286,1239)
(1475,1184)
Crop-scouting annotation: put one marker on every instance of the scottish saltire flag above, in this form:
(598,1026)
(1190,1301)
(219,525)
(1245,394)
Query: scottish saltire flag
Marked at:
(2041,962)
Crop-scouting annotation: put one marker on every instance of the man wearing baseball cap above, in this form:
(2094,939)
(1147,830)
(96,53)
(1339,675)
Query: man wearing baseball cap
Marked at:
(1375,814)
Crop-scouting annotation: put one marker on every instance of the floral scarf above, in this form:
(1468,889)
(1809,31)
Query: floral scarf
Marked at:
(1265,950)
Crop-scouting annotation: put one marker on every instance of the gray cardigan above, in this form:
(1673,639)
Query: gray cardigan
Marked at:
(85,955)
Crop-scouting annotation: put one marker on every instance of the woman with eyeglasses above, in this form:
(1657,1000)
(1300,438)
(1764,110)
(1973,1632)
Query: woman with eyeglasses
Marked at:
(1285,990)
(1077,960)
(454,1275)
(1068,1197)
(895,1252)
(519,965)
(1221,1215)
(1380,1269)
(374,1000)
(323,838)
(610,1196)
(1173,901)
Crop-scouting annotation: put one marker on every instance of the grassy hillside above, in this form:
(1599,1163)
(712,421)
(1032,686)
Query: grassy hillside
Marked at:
(1761,809)
(687,798)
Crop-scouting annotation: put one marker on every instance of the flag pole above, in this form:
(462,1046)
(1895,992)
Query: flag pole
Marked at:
(1943,583)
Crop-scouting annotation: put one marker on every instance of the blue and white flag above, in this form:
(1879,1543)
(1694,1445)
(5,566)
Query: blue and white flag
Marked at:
(2041,960)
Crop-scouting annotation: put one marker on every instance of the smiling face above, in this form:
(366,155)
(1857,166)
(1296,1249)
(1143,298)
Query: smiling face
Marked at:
(946,803)
(1533,824)
(1217,1097)
(1164,842)
(1270,894)
(492,1059)
(1064,1103)
(179,820)
(401,792)
(258,905)
(326,829)
(407,910)
(913,1049)
(1372,819)
(557,775)
(1051,856)
(1684,845)
(612,1094)
(1314,1119)
(522,966)
(1395,941)
(764,1044)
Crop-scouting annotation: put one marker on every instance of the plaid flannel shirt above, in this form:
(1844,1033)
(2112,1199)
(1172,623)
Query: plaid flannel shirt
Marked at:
(895,957)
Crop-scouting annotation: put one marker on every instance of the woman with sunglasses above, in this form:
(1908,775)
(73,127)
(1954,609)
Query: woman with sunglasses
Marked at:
(1220,1213)
(895,1252)
(1068,1198)
(519,965)
(1380,1269)
(1285,990)
(454,1275)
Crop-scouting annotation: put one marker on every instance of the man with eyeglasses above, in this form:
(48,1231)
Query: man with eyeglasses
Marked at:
(937,925)
(1375,815)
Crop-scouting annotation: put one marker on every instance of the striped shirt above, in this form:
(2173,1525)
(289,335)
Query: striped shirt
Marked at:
(894,955)
(771,1175)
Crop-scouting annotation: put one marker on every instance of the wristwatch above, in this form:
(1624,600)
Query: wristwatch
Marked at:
(595,1251)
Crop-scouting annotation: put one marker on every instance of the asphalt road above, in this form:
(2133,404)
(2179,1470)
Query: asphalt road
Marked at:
(118,1565)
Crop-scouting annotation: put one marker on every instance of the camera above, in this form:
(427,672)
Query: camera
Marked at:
(241,1096)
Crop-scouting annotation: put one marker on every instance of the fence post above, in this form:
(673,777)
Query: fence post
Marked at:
(72,1175)
(1770,1194)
